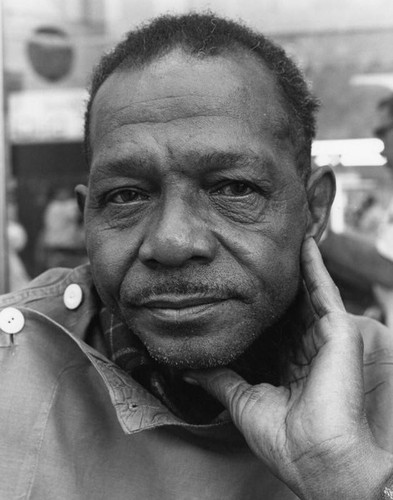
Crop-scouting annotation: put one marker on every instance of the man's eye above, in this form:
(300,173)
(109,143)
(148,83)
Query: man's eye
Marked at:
(235,189)
(127,196)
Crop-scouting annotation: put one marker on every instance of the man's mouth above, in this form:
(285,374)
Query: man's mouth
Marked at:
(181,308)
(179,302)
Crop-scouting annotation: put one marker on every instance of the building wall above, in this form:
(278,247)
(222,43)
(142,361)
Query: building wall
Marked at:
(273,16)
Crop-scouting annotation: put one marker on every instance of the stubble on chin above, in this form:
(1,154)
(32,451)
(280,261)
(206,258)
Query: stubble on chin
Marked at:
(259,350)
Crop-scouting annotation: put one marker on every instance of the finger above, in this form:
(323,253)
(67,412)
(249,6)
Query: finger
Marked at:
(225,385)
(323,292)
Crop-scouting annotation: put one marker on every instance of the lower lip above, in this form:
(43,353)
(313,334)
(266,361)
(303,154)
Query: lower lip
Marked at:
(185,314)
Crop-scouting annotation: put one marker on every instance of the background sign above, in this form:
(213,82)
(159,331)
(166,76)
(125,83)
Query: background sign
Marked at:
(46,115)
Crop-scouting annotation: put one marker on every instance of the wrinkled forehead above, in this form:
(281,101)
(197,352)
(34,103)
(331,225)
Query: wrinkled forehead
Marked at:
(179,86)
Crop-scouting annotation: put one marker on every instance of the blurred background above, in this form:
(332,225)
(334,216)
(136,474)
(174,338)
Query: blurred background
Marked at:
(49,47)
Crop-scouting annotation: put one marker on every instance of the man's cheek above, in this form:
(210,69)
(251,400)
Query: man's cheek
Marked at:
(107,262)
(104,244)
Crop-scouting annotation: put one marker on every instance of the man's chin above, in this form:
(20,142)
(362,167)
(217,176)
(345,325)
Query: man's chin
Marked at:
(209,350)
(191,359)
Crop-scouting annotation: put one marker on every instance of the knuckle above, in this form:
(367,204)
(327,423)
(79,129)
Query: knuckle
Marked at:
(342,321)
(244,398)
(236,398)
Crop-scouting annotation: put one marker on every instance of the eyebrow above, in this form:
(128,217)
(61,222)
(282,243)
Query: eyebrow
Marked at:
(220,160)
(216,161)
(250,163)
(123,166)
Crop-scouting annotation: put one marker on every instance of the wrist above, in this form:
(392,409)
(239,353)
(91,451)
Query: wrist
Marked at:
(375,477)
(362,473)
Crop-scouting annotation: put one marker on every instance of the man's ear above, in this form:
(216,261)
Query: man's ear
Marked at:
(81,195)
(321,188)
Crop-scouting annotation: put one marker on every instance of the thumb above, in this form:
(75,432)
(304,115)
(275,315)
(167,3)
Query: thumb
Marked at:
(226,386)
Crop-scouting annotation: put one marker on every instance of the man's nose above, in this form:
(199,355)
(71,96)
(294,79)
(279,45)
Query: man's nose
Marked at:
(177,236)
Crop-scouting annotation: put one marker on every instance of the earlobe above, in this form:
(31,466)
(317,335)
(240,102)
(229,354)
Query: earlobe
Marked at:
(81,195)
(321,188)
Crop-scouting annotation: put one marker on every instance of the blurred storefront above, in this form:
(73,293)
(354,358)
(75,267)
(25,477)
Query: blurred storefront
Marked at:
(45,129)
(50,47)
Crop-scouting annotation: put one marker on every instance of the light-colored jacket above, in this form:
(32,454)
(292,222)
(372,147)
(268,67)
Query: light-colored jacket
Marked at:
(74,426)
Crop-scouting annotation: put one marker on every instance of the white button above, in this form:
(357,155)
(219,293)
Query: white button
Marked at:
(73,296)
(11,320)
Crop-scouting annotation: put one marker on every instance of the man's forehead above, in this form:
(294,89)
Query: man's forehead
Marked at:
(179,85)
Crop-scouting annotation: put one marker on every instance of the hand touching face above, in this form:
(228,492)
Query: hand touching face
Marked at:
(312,431)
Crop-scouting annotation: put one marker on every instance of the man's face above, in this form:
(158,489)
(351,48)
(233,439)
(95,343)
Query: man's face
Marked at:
(195,212)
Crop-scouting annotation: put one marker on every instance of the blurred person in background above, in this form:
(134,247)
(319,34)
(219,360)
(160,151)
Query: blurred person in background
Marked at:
(366,263)
(17,239)
(62,240)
